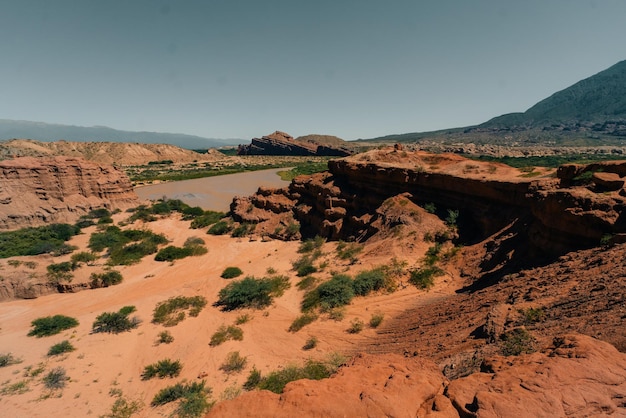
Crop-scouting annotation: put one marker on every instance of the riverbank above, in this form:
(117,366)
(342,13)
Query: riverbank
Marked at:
(213,193)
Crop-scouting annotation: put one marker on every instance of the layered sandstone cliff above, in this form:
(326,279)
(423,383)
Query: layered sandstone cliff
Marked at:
(37,191)
(543,213)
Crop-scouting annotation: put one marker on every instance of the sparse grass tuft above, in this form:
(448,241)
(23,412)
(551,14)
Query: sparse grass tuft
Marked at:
(60,348)
(8,359)
(55,379)
(162,369)
(302,321)
(376,320)
(172,311)
(310,344)
(225,333)
(356,326)
(234,363)
(517,341)
(165,338)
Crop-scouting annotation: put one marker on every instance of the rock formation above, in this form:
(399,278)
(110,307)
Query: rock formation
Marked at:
(575,376)
(281,143)
(37,191)
(114,153)
(543,214)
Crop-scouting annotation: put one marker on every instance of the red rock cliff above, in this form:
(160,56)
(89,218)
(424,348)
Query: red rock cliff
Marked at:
(37,191)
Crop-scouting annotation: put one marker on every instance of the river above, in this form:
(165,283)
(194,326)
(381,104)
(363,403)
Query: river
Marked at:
(213,193)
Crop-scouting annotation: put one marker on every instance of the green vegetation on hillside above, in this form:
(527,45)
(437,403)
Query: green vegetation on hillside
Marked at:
(251,292)
(51,325)
(33,241)
(309,167)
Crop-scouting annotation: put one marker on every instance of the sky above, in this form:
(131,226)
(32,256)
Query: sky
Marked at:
(245,68)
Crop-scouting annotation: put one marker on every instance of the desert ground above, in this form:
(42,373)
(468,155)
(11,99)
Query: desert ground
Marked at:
(105,365)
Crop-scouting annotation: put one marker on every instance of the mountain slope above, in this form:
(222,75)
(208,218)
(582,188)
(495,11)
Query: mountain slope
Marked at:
(591,112)
(10,129)
(598,98)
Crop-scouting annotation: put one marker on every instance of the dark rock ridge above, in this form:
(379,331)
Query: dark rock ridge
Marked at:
(38,191)
(281,143)
(535,216)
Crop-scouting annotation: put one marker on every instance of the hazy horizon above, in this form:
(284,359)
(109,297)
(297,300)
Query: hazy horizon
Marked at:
(363,69)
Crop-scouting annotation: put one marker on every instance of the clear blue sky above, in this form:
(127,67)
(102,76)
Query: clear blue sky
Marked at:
(244,68)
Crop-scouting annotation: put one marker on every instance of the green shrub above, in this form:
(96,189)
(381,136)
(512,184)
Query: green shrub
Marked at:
(424,278)
(306,283)
(517,341)
(171,253)
(179,391)
(193,242)
(301,321)
(430,207)
(452,218)
(368,281)
(193,405)
(251,292)
(224,334)
(208,218)
(131,253)
(220,228)
(311,245)
(115,322)
(60,271)
(99,213)
(234,363)
(51,325)
(338,291)
(192,212)
(60,348)
(310,344)
(304,266)
(314,370)
(356,326)
(165,338)
(55,379)
(231,273)
(123,408)
(34,241)
(242,230)
(162,369)
(348,251)
(8,359)
(532,315)
(376,320)
(253,380)
(432,254)
(84,257)
(242,319)
(171,311)
(106,279)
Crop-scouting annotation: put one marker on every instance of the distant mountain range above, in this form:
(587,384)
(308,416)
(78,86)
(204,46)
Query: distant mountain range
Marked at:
(10,129)
(592,111)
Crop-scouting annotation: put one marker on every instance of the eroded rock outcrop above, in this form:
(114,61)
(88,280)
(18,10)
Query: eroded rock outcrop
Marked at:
(544,214)
(281,143)
(576,376)
(36,191)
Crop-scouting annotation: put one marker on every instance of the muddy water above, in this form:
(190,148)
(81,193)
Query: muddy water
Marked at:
(213,193)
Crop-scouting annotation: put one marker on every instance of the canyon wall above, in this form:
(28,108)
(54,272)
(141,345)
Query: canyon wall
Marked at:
(38,191)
